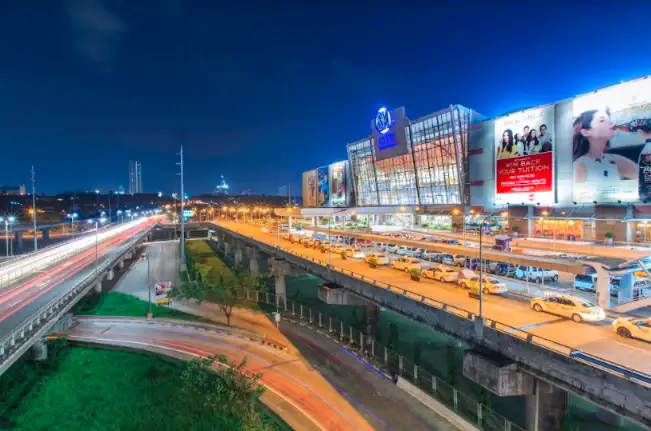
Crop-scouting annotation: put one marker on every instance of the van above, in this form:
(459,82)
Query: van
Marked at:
(585,282)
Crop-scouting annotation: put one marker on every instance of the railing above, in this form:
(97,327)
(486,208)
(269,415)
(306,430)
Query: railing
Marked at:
(528,337)
(388,362)
(23,332)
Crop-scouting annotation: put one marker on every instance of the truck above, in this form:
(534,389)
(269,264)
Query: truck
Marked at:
(536,274)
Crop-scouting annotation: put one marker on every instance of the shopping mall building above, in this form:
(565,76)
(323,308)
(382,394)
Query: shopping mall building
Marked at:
(577,168)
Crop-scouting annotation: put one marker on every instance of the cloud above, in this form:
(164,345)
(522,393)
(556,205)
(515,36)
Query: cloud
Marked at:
(97,31)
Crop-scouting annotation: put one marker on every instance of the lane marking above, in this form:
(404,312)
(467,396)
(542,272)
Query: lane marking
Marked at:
(536,325)
(633,347)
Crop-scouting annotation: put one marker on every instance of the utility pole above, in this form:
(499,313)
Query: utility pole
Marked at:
(182,209)
(34,207)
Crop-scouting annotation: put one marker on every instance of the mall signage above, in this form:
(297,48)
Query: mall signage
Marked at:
(388,133)
(524,157)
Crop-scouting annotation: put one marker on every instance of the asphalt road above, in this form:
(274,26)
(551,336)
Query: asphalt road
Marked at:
(296,388)
(21,300)
(372,397)
(596,339)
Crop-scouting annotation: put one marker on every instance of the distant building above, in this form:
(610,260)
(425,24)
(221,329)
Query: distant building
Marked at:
(13,190)
(282,191)
(119,190)
(135,177)
(221,189)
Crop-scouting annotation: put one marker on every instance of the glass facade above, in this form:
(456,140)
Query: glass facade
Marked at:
(433,172)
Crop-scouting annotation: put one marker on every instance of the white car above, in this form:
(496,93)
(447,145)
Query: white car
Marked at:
(380,258)
(405,264)
(633,328)
(441,273)
(430,253)
(575,308)
(536,274)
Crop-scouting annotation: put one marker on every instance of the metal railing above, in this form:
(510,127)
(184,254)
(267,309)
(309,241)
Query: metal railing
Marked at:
(387,361)
(19,336)
(506,329)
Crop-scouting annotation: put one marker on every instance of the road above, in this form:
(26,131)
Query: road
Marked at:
(296,389)
(20,300)
(372,398)
(596,339)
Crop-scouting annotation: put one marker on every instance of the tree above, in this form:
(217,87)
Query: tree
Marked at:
(195,289)
(225,389)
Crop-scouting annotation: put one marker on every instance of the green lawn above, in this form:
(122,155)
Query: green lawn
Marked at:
(122,304)
(85,389)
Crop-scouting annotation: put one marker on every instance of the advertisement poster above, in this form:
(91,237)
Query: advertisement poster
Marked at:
(338,184)
(323,187)
(611,144)
(309,189)
(524,157)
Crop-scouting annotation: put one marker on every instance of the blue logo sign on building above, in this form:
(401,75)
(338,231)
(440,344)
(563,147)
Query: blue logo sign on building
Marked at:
(383,121)
(388,128)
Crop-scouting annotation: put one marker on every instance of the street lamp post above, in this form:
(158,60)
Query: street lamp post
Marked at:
(6,221)
(149,313)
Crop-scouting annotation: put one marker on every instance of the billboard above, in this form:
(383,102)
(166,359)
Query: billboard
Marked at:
(524,157)
(611,144)
(388,132)
(309,188)
(323,187)
(338,184)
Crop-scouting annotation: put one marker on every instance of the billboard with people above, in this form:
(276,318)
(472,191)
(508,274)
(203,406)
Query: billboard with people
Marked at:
(524,157)
(309,189)
(323,187)
(611,144)
(338,184)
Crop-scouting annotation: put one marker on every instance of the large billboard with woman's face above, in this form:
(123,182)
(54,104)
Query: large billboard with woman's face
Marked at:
(338,184)
(323,187)
(524,157)
(611,144)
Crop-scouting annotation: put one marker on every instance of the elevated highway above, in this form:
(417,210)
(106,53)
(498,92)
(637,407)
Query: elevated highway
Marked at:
(31,304)
(589,360)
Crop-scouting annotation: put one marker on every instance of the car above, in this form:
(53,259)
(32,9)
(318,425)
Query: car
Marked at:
(381,259)
(441,273)
(633,328)
(430,253)
(447,259)
(163,301)
(391,248)
(380,246)
(536,274)
(405,264)
(572,307)
(353,252)
(286,236)
(143,257)
(336,248)
(488,285)
(419,252)
(401,251)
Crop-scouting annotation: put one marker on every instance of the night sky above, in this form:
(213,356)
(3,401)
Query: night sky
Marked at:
(260,93)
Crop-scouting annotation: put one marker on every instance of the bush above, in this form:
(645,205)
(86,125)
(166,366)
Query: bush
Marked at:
(122,304)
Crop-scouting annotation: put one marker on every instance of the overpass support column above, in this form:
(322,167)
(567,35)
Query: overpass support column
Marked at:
(227,248)
(280,269)
(254,256)
(372,314)
(110,274)
(97,289)
(238,255)
(39,350)
(121,264)
(46,234)
(19,239)
(545,409)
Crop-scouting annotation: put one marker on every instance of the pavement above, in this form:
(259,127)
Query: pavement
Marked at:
(22,299)
(596,339)
(323,380)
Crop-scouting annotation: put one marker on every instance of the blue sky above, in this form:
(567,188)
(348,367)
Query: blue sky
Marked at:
(260,93)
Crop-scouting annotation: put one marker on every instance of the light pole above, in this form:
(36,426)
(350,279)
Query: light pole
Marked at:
(149,313)
(34,207)
(182,214)
(6,221)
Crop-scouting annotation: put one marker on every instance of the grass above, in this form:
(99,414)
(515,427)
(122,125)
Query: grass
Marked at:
(81,389)
(203,261)
(122,304)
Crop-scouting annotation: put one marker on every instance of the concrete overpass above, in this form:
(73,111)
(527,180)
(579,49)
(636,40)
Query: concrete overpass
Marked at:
(529,364)
(48,299)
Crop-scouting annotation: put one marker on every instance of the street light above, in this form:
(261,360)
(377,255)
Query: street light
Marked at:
(7,221)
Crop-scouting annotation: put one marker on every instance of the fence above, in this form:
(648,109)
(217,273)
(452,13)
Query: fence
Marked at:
(390,363)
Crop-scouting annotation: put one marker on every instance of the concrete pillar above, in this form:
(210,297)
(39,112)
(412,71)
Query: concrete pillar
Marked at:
(281,289)
(110,274)
(46,234)
(97,289)
(254,265)
(545,409)
(372,315)
(39,350)
(227,248)
(609,418)
(121,264)
(19,239)
(238,256)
